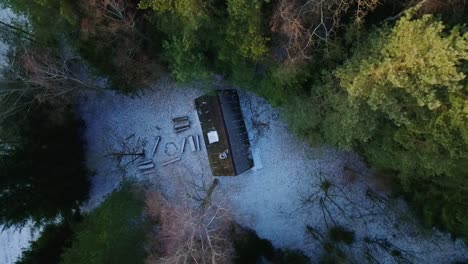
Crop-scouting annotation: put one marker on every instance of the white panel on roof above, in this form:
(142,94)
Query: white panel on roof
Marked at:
(213,137)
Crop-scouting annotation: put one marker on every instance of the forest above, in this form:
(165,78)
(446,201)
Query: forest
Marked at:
(383,79)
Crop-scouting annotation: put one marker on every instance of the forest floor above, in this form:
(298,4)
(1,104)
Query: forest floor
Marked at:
(292,186)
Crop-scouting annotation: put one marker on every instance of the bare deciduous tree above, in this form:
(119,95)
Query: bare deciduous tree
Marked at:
(38,75)
(109,16)
(52,72)
(334,202)
(114,24)
(187,235)
(123,151)
(304,23)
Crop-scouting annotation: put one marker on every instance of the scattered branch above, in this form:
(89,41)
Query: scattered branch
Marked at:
(127,151)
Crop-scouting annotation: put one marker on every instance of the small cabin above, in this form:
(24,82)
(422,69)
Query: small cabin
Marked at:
(224,132)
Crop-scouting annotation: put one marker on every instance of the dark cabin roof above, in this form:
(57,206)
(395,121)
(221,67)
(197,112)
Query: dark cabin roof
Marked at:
(221,111)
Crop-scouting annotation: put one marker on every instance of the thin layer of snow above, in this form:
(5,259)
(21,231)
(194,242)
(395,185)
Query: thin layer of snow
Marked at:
(14,240)
(279,198)
(7,16)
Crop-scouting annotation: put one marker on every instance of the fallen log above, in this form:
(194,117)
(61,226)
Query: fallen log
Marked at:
(171,161)
(207,200)
(146,166)
(183,146)
(181,129)
(192,143)
(199,143)
(148,172)
(155,146)
(182,118)
(181,124)
(196,142)
(144,162)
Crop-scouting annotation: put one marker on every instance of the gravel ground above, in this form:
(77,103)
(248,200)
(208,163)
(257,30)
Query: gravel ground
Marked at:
(282,195)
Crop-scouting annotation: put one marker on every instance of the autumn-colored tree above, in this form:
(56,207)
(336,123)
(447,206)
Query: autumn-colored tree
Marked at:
(111,41)
(413,74)
(38,75)
(187,235)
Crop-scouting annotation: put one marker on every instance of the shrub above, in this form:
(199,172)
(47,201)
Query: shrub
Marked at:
(112,233)
(48,248)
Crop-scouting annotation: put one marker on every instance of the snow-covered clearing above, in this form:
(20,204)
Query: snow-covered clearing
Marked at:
(291,187)
(14,240)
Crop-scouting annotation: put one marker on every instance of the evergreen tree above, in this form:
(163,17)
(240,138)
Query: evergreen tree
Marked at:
(401,100)
(48,248)
(112,233)
(410,83)
(42,172)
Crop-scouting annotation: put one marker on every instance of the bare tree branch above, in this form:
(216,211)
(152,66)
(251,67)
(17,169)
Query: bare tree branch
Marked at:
(189,235)
(305,23)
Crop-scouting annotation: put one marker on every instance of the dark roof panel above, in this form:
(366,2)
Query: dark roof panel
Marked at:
(221,111)
(236,130)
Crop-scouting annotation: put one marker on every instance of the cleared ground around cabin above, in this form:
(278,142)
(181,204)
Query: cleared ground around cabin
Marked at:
(291,187)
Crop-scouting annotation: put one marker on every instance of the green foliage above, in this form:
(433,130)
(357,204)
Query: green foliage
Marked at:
(413,74)
(282,84)
(201,35)
(112,233)
(304,118)
(442,203)
(183,23)
(250,249)
(414,63)
(184,63)
(113,46)
(347,124)
(402,100)
(43,175)
(48,19)
(189,13)
(48,248)
(241,43)
(244,30)
(294,257)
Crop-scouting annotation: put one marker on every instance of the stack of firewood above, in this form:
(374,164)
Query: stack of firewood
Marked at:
(181,123)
